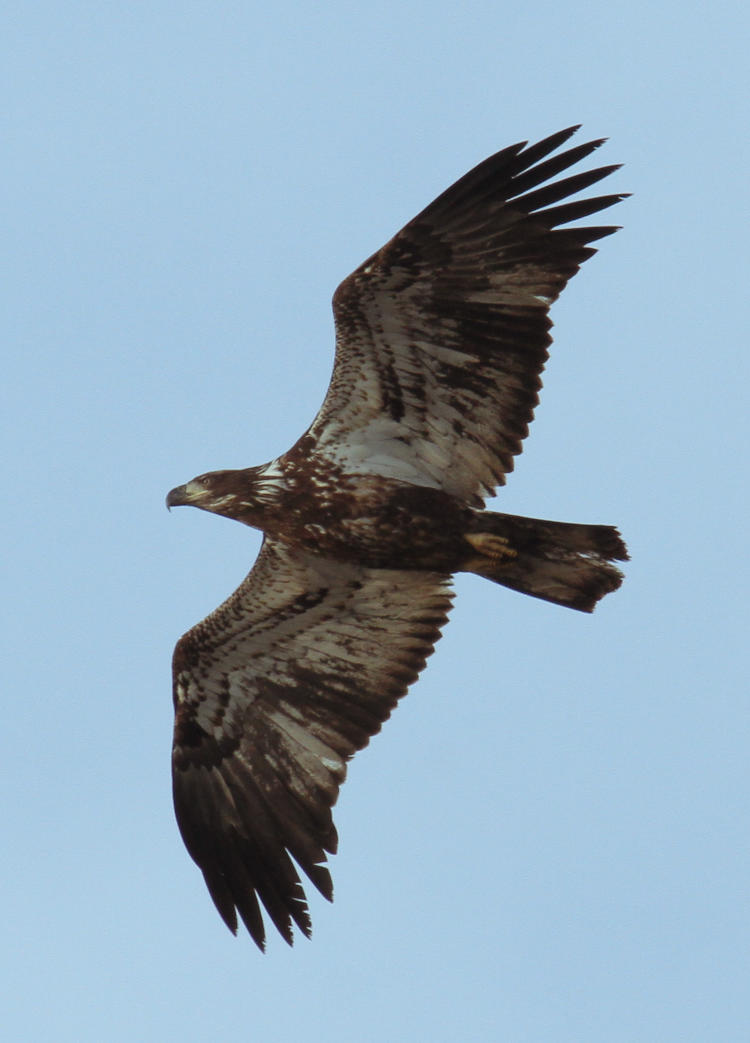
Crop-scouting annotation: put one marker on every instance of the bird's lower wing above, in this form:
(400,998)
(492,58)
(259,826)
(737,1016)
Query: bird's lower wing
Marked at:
(274,692)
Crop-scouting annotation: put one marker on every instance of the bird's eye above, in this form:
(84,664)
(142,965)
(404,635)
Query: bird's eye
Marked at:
(205,481)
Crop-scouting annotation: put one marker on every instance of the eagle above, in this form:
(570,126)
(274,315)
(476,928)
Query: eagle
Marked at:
(441,338)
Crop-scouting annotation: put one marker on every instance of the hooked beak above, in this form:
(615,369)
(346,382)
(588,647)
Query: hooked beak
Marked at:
(178,497)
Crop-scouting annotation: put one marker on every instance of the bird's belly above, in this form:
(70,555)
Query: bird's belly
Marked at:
(382,523)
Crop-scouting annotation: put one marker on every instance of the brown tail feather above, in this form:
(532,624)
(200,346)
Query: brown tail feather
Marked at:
(564,563)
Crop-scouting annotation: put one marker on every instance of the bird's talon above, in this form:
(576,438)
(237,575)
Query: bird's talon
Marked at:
(492,546)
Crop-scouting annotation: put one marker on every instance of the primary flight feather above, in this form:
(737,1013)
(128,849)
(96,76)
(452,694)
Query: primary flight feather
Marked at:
(441,339)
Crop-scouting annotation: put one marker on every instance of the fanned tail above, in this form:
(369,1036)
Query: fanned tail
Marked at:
(565,563)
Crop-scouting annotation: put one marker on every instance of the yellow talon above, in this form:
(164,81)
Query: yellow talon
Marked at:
(492,546)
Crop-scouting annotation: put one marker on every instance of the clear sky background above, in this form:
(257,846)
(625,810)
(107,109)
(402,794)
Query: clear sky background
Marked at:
(549,840)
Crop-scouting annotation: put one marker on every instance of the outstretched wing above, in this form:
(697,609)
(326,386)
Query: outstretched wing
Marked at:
(442,335)
(274,692)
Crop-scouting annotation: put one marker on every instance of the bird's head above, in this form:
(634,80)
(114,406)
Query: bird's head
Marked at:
(221,492)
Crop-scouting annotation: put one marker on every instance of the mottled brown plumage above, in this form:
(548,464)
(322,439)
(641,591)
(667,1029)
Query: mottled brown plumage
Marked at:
(441,338)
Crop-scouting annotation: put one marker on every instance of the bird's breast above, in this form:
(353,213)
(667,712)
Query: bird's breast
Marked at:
(378,522)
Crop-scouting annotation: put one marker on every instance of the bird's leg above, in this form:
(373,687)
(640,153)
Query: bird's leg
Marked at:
(489,545)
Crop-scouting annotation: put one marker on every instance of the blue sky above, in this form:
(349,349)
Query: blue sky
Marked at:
(549,840)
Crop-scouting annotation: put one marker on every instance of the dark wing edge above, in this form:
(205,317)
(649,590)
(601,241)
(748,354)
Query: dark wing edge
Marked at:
(274,692)
(442,335)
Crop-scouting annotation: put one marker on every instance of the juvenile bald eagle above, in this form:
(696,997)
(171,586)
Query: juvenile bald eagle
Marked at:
(441,337)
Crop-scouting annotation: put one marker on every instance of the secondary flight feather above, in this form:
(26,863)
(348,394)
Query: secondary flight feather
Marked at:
(441,339)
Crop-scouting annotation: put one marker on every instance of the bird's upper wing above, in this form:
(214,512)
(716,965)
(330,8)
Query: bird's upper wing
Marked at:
(442,335)
(274,692)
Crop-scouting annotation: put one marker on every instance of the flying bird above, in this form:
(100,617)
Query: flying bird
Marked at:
(441,338)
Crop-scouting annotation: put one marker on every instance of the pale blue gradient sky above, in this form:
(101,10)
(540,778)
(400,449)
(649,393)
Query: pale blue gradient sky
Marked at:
(549,841)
